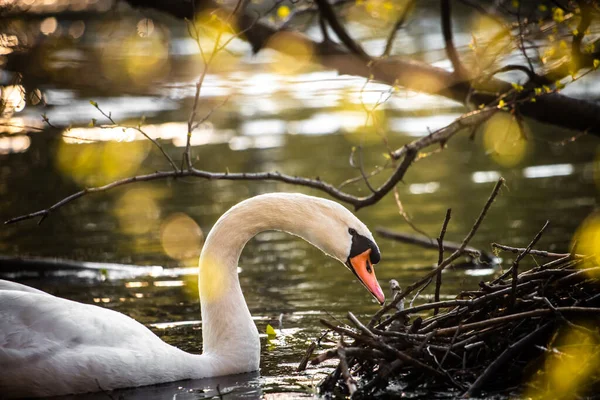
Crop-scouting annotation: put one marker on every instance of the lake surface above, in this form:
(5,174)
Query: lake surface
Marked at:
(143,240)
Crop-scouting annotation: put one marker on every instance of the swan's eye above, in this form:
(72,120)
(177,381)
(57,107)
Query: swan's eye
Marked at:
(351,231)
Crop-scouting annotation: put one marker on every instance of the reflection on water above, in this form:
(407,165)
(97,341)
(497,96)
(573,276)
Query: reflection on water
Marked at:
(130,241)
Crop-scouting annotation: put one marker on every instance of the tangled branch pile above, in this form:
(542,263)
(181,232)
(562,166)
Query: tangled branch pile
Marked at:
(534,332)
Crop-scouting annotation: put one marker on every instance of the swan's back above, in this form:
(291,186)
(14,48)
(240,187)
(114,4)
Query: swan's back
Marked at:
(53,345)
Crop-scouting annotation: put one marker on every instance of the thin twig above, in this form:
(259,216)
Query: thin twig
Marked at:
(399,22)
(534,252)
(140,130)
(429,243)
(345,372)
(515,266)
(440,240)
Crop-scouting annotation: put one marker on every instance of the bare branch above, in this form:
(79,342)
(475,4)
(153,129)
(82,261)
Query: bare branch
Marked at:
(140,130)
(438,278)
(329,15)
(446,15)
(401,20)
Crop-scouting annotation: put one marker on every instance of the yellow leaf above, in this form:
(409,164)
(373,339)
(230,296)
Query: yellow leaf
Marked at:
(559,15)
(596,63)
(501,104)
(538,91)
(271,331)
(517,87)
(542,7)
(283,12)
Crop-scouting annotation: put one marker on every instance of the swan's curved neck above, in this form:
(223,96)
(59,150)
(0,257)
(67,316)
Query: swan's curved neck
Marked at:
(228,328)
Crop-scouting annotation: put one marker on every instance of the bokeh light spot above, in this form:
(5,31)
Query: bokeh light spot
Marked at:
(101,163)
(587,240)
(293,54)
(48,26)
(137,211)
(566,369)
(181,238)
(77,29)
(213,280)
(503,139)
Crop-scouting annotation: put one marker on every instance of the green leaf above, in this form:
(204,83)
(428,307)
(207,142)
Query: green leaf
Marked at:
(92,102)
(596,63)
(271,331)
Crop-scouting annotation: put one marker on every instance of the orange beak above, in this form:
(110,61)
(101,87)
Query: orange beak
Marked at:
(363,269)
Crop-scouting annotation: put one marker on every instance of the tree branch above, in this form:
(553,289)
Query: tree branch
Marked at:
(328,14)
(446,16)
(401,20)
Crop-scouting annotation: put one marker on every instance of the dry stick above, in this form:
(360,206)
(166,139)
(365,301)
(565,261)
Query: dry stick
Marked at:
(405,215)
(533,252)
(440,240)
(399,22)
(587,273)
(447,261)
(516,317)
(451,344)
(429,324)
(515,266)
(345,372)
(357,352)
(326,10)
(506,355)
(428,243)
(451,52)
(304,361)
(383,347)
(522,254)
(360,325)
(410,305)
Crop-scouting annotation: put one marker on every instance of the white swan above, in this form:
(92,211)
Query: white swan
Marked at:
(51,346)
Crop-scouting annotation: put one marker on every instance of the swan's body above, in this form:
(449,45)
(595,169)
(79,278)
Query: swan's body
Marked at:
(52,346)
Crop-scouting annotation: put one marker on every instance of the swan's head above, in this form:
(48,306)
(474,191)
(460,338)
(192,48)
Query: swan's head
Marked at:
(345,238)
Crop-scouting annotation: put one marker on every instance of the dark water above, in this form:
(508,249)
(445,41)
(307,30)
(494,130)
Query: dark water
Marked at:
(303,125)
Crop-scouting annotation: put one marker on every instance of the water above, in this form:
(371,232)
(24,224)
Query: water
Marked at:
(304,124)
